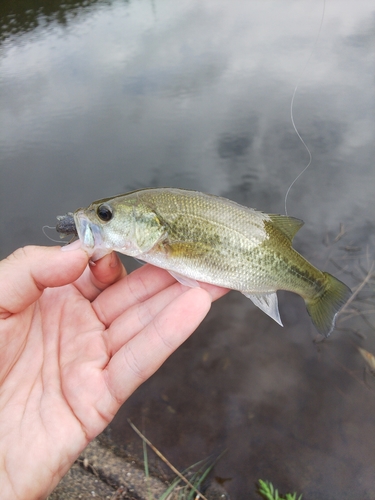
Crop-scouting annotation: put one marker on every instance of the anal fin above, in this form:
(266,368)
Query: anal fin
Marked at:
(267,302)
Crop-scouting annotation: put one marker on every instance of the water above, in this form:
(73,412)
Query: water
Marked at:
(101,97)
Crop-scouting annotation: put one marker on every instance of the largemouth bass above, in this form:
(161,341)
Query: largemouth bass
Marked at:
(201,237)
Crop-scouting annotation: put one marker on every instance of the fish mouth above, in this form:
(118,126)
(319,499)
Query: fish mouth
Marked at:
(90,235)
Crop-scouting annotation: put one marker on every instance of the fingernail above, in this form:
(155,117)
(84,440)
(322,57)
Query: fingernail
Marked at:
(114,260)
(72,246)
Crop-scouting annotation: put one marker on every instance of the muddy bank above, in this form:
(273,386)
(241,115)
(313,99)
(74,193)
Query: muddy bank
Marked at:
(105,472)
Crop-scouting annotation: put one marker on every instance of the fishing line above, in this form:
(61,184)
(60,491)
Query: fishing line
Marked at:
(291,109)
(49,237)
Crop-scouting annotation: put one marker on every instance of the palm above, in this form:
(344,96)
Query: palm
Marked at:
(72,357)
(74,386)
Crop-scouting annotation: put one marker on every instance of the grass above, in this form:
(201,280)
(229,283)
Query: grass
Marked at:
(186,485)
(267,491)
(196,477)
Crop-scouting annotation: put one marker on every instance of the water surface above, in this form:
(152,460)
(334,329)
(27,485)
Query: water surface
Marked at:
(101,97)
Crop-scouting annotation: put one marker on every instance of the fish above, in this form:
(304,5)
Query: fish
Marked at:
(200,237)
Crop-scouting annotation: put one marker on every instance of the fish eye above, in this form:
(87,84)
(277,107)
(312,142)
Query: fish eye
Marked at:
(104,212)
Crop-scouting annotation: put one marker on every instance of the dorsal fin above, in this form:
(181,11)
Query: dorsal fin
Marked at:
(287,225)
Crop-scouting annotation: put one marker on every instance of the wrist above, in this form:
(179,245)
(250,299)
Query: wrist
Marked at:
(27,474)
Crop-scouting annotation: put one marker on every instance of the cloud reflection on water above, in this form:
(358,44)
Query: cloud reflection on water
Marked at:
(197,95)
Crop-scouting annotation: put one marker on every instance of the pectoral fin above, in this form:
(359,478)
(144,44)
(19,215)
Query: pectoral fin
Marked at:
(184,280)
(267,302)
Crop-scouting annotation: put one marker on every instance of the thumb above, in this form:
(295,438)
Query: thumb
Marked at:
(29,270)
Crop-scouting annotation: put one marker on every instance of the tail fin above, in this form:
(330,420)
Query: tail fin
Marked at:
(324,308)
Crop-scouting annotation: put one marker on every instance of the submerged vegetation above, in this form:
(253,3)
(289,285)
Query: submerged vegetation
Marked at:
(357,264)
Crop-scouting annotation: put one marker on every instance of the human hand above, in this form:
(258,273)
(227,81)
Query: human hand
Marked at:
(75,342)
